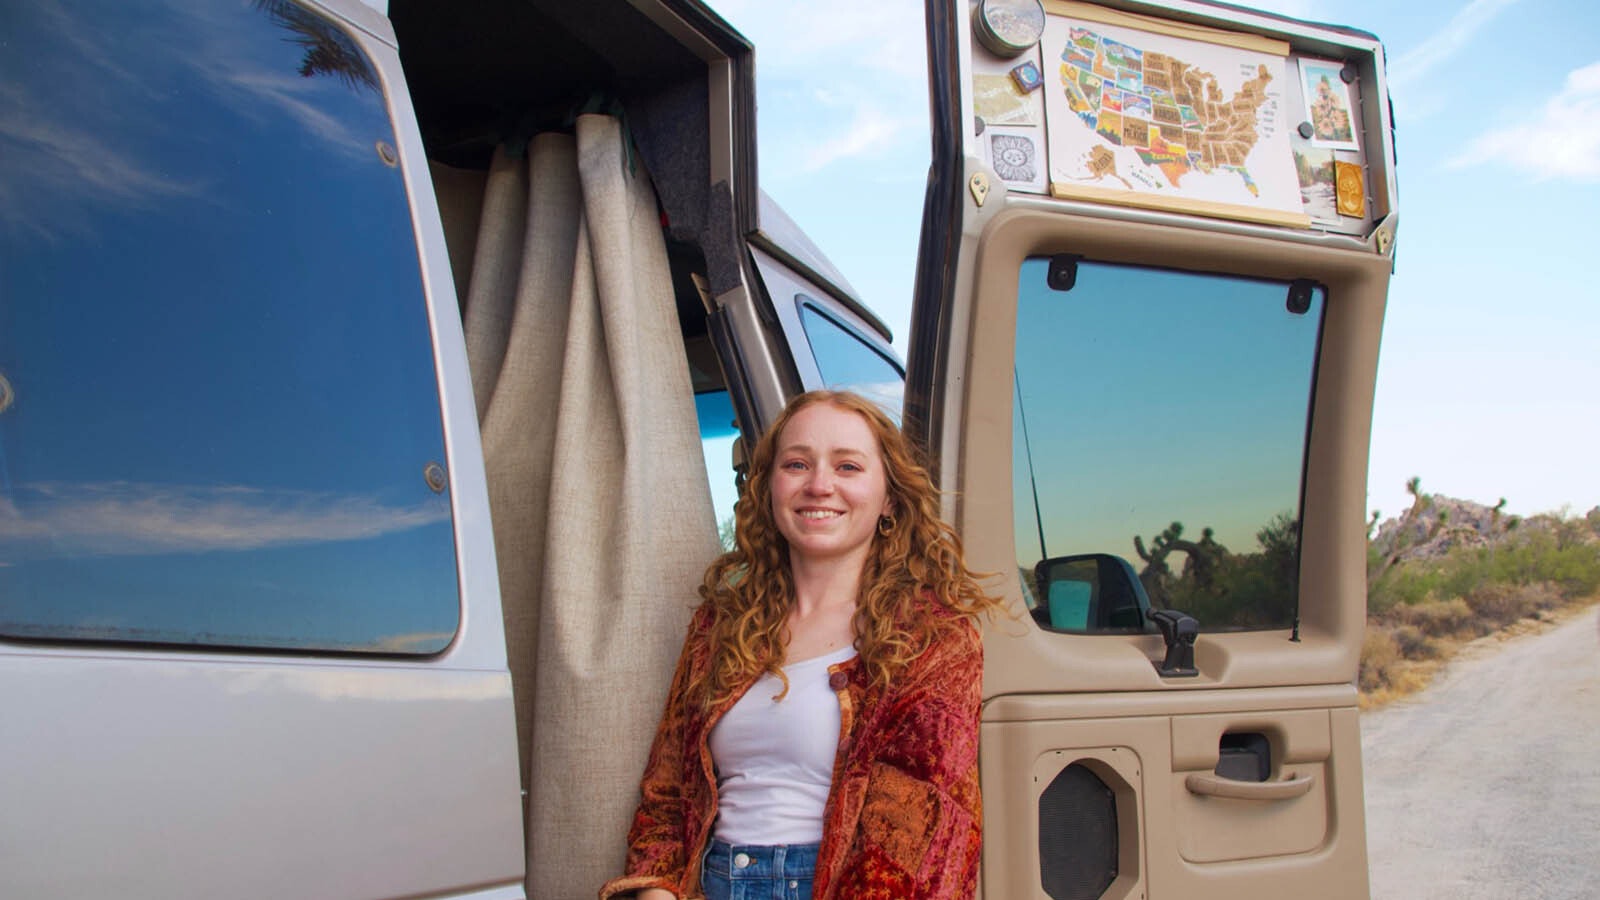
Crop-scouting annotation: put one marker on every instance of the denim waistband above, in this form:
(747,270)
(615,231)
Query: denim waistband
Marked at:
(740,861)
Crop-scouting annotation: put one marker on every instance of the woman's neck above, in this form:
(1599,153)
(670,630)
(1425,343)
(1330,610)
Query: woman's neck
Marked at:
(820,586)
(823,617)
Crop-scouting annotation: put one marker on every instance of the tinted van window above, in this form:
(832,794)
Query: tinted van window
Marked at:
(1159,440)
(849,363)
(224,426)
(718,432)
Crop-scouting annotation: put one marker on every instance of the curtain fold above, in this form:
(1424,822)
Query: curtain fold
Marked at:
(602,514)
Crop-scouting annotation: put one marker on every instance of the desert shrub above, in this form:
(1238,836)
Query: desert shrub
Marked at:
(1413,644)
(1575,569)
(1407,584)
(1440,618)
(1572,566)
(1379,656)
(1379,599)
(1544,596)
(1418,607)
(1502,604)
(1496,604)
(1569,569)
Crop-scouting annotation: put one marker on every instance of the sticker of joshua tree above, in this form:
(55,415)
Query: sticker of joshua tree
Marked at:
(1328,105)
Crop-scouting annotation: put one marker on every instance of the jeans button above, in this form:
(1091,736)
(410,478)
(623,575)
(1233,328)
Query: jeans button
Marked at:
(741,860)
(793,885)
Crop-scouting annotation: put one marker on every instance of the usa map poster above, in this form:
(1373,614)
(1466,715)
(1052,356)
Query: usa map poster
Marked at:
(1152,119)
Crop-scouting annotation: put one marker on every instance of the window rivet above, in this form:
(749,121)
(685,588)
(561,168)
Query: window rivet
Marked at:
(433,474)
(387,154)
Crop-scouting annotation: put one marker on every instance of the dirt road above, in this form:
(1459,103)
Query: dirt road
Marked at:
(1486,786)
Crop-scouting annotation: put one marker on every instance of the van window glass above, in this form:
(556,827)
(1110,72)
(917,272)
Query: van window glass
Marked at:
(224,426)
(718,431)
(848,363)
(1159,437)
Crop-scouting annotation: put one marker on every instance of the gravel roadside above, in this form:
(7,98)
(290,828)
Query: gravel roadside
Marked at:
(1486,785)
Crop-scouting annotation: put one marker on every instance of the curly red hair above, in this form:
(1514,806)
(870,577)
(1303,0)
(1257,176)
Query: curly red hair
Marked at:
(914,568)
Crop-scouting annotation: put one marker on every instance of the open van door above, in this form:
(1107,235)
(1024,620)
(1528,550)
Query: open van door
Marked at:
(1156,247)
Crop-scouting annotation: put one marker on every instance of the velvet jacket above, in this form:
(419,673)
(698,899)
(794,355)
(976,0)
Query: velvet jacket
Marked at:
(903,817)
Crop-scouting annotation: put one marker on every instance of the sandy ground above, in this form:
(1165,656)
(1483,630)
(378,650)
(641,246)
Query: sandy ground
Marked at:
(1486,785)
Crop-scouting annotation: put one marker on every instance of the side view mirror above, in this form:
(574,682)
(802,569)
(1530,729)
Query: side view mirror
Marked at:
(1090,592)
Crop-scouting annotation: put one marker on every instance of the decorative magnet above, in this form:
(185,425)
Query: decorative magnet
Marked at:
(1027,76)
(1008,27)
(1350,190)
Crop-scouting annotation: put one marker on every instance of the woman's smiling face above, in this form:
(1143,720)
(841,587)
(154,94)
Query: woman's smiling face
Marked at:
(828,485)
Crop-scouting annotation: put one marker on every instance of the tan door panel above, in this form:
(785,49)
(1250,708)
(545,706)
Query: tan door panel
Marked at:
(1108,749)
(1148,764)
(1220,818)
(1151,421)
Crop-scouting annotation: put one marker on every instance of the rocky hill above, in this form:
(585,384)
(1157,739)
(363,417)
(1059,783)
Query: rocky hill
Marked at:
(1435,525)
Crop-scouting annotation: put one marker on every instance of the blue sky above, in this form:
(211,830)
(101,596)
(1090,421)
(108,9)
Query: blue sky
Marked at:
(1489,379)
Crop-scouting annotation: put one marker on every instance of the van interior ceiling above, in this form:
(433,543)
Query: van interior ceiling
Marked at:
(488,72)
(575,241)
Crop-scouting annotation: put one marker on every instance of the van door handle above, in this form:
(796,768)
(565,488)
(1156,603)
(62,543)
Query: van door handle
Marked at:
(1209,785)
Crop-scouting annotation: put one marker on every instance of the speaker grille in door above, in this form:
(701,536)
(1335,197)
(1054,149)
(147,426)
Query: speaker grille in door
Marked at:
(1077,835)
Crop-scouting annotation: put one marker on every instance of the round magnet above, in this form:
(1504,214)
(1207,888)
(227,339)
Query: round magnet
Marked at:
(1008,27)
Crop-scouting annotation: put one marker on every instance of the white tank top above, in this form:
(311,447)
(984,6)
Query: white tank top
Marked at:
(775,760)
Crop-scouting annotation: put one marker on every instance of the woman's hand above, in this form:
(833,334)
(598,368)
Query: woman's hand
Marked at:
(655,894)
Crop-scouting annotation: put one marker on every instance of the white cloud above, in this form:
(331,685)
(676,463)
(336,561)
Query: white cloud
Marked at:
(65,157)
(870,131)
(1450,40)
(838,80)
(125,518)
(285,91)
(86,129)
(56,168)
(886,36)
(1563,141)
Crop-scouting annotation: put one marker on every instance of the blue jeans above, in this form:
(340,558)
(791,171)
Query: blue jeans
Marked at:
(749,872)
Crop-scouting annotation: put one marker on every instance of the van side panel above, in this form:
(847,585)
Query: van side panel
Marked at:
(158,775)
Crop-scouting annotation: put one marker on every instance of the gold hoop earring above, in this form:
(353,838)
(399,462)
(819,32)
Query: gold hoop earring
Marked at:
(886,525)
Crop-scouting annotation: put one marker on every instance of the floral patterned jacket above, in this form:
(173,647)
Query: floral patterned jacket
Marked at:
(903,817)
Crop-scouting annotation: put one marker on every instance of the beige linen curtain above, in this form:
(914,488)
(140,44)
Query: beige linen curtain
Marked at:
(602,515)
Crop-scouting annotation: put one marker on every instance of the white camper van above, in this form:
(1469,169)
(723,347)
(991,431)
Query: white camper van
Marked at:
(374,378)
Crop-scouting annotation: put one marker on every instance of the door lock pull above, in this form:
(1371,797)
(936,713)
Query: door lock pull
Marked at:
(1208,785)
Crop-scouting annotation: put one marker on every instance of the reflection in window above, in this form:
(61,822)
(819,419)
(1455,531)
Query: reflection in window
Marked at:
(1160,417)
(848,363)
(226,414)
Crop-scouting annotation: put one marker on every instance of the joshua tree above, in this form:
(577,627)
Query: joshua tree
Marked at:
(1406,533)
(1199,567)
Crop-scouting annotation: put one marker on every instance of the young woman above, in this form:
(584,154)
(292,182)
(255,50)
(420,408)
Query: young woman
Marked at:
(821,733)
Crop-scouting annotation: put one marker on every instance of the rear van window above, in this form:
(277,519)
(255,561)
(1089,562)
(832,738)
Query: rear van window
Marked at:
(221,423)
